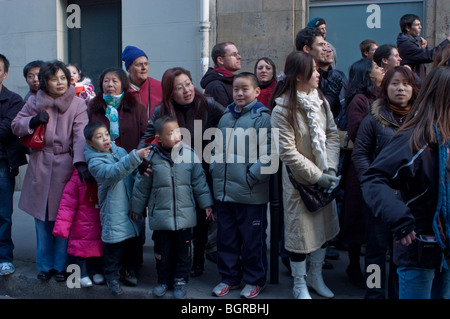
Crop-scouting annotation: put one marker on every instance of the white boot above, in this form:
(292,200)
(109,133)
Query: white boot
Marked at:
(300,290)
(314,278)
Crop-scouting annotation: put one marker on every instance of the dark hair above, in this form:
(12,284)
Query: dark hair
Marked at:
(5,62)
(430,108)
(365,46)
(442,56)
(167,106)
(359,81)
(125,84)
(49,69)
(268,61)
(161,121)
(90,128)
(298,64)
(383,52)
(82,76)
(247,75)
(306,36)
(407,21)
(31,65)
(410,77)
(219,50)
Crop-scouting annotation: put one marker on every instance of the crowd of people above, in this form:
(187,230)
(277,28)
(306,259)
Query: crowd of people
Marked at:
(128,153)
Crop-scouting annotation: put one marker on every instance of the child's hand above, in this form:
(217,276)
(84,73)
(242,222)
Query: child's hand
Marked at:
(144,152)
(135,217)
(209,214)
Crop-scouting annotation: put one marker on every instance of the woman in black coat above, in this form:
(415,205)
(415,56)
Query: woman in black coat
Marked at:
(398,92)
(416,163)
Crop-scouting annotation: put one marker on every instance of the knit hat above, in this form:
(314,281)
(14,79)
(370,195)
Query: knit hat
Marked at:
(314,23)
(130,54)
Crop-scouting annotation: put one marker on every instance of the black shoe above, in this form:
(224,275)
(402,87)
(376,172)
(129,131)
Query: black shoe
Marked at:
(45,275)
(61,276)
(129,277)
(196,271)
(327,265)
(114,287)
(331,253)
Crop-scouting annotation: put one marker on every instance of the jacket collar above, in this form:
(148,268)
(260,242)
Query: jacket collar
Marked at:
(62,103)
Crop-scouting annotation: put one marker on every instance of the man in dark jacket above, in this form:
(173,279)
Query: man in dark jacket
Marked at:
(333,83)
(218,81)
(413,50)
(12,155)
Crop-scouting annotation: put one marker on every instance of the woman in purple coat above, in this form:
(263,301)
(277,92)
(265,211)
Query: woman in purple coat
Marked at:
(49,169)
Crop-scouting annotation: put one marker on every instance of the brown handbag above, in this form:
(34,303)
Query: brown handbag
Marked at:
(35,140)
(313,198)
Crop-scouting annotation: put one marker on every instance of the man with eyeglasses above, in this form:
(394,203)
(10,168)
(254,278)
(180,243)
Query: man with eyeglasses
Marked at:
(413,50)
(145,89)
(218,80)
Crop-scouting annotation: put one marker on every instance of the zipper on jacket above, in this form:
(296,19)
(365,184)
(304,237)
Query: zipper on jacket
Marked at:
(226,164)
(174,196)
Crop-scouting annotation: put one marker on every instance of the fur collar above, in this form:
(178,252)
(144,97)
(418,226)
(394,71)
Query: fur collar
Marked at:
(62,103)
(382,115)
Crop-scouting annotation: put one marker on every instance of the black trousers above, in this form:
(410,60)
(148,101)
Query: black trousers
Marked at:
(172,254)
(125,254)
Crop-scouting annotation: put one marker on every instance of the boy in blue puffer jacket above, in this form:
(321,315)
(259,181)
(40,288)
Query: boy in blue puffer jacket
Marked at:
(112,167)
(241,189)
(170,192)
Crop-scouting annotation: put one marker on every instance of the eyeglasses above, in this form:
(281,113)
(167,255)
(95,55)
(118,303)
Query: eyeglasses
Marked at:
(140,65)
(234,54)
(180,88)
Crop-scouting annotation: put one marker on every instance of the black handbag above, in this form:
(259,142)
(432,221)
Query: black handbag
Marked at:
(313,198)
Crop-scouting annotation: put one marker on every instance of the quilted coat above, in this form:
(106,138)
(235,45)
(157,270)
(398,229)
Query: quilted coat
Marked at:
(79,220)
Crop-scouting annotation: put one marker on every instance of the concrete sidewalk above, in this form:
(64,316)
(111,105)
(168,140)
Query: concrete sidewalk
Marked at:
(24,283)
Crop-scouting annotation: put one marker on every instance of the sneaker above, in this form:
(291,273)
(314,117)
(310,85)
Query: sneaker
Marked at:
(114,287)
(160,290)
(86,282)
(129,277)
(179,291)
(222,289)
(6,268)
(251,291)
(98,279)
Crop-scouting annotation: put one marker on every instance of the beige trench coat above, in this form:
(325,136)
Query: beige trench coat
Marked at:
(305,232)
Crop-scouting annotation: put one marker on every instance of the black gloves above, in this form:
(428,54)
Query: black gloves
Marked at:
(144,166)
(40,118)
(83,173)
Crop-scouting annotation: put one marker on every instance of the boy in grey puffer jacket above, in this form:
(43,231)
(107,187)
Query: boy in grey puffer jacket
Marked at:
(170,192)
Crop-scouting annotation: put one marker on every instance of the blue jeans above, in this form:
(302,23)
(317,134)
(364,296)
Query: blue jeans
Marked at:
(421,283)
(7,183)
(51,251)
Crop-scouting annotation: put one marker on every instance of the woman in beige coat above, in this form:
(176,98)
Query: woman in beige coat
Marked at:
(309,146)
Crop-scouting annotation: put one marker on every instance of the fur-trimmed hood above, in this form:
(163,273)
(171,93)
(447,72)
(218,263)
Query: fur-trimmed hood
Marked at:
(383,115)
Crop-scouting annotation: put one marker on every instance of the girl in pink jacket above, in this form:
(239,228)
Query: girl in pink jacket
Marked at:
(79,220)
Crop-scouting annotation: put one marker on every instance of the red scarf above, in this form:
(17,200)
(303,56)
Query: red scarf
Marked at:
(223,71)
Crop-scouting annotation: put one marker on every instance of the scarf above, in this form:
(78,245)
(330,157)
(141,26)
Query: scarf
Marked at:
(399,109)
(441,218)
(312,104)
(112,104)
(223,72)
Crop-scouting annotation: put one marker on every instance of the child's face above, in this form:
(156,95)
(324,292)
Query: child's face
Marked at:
(101,140)
(244,92)
(74,75)
(170,135)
